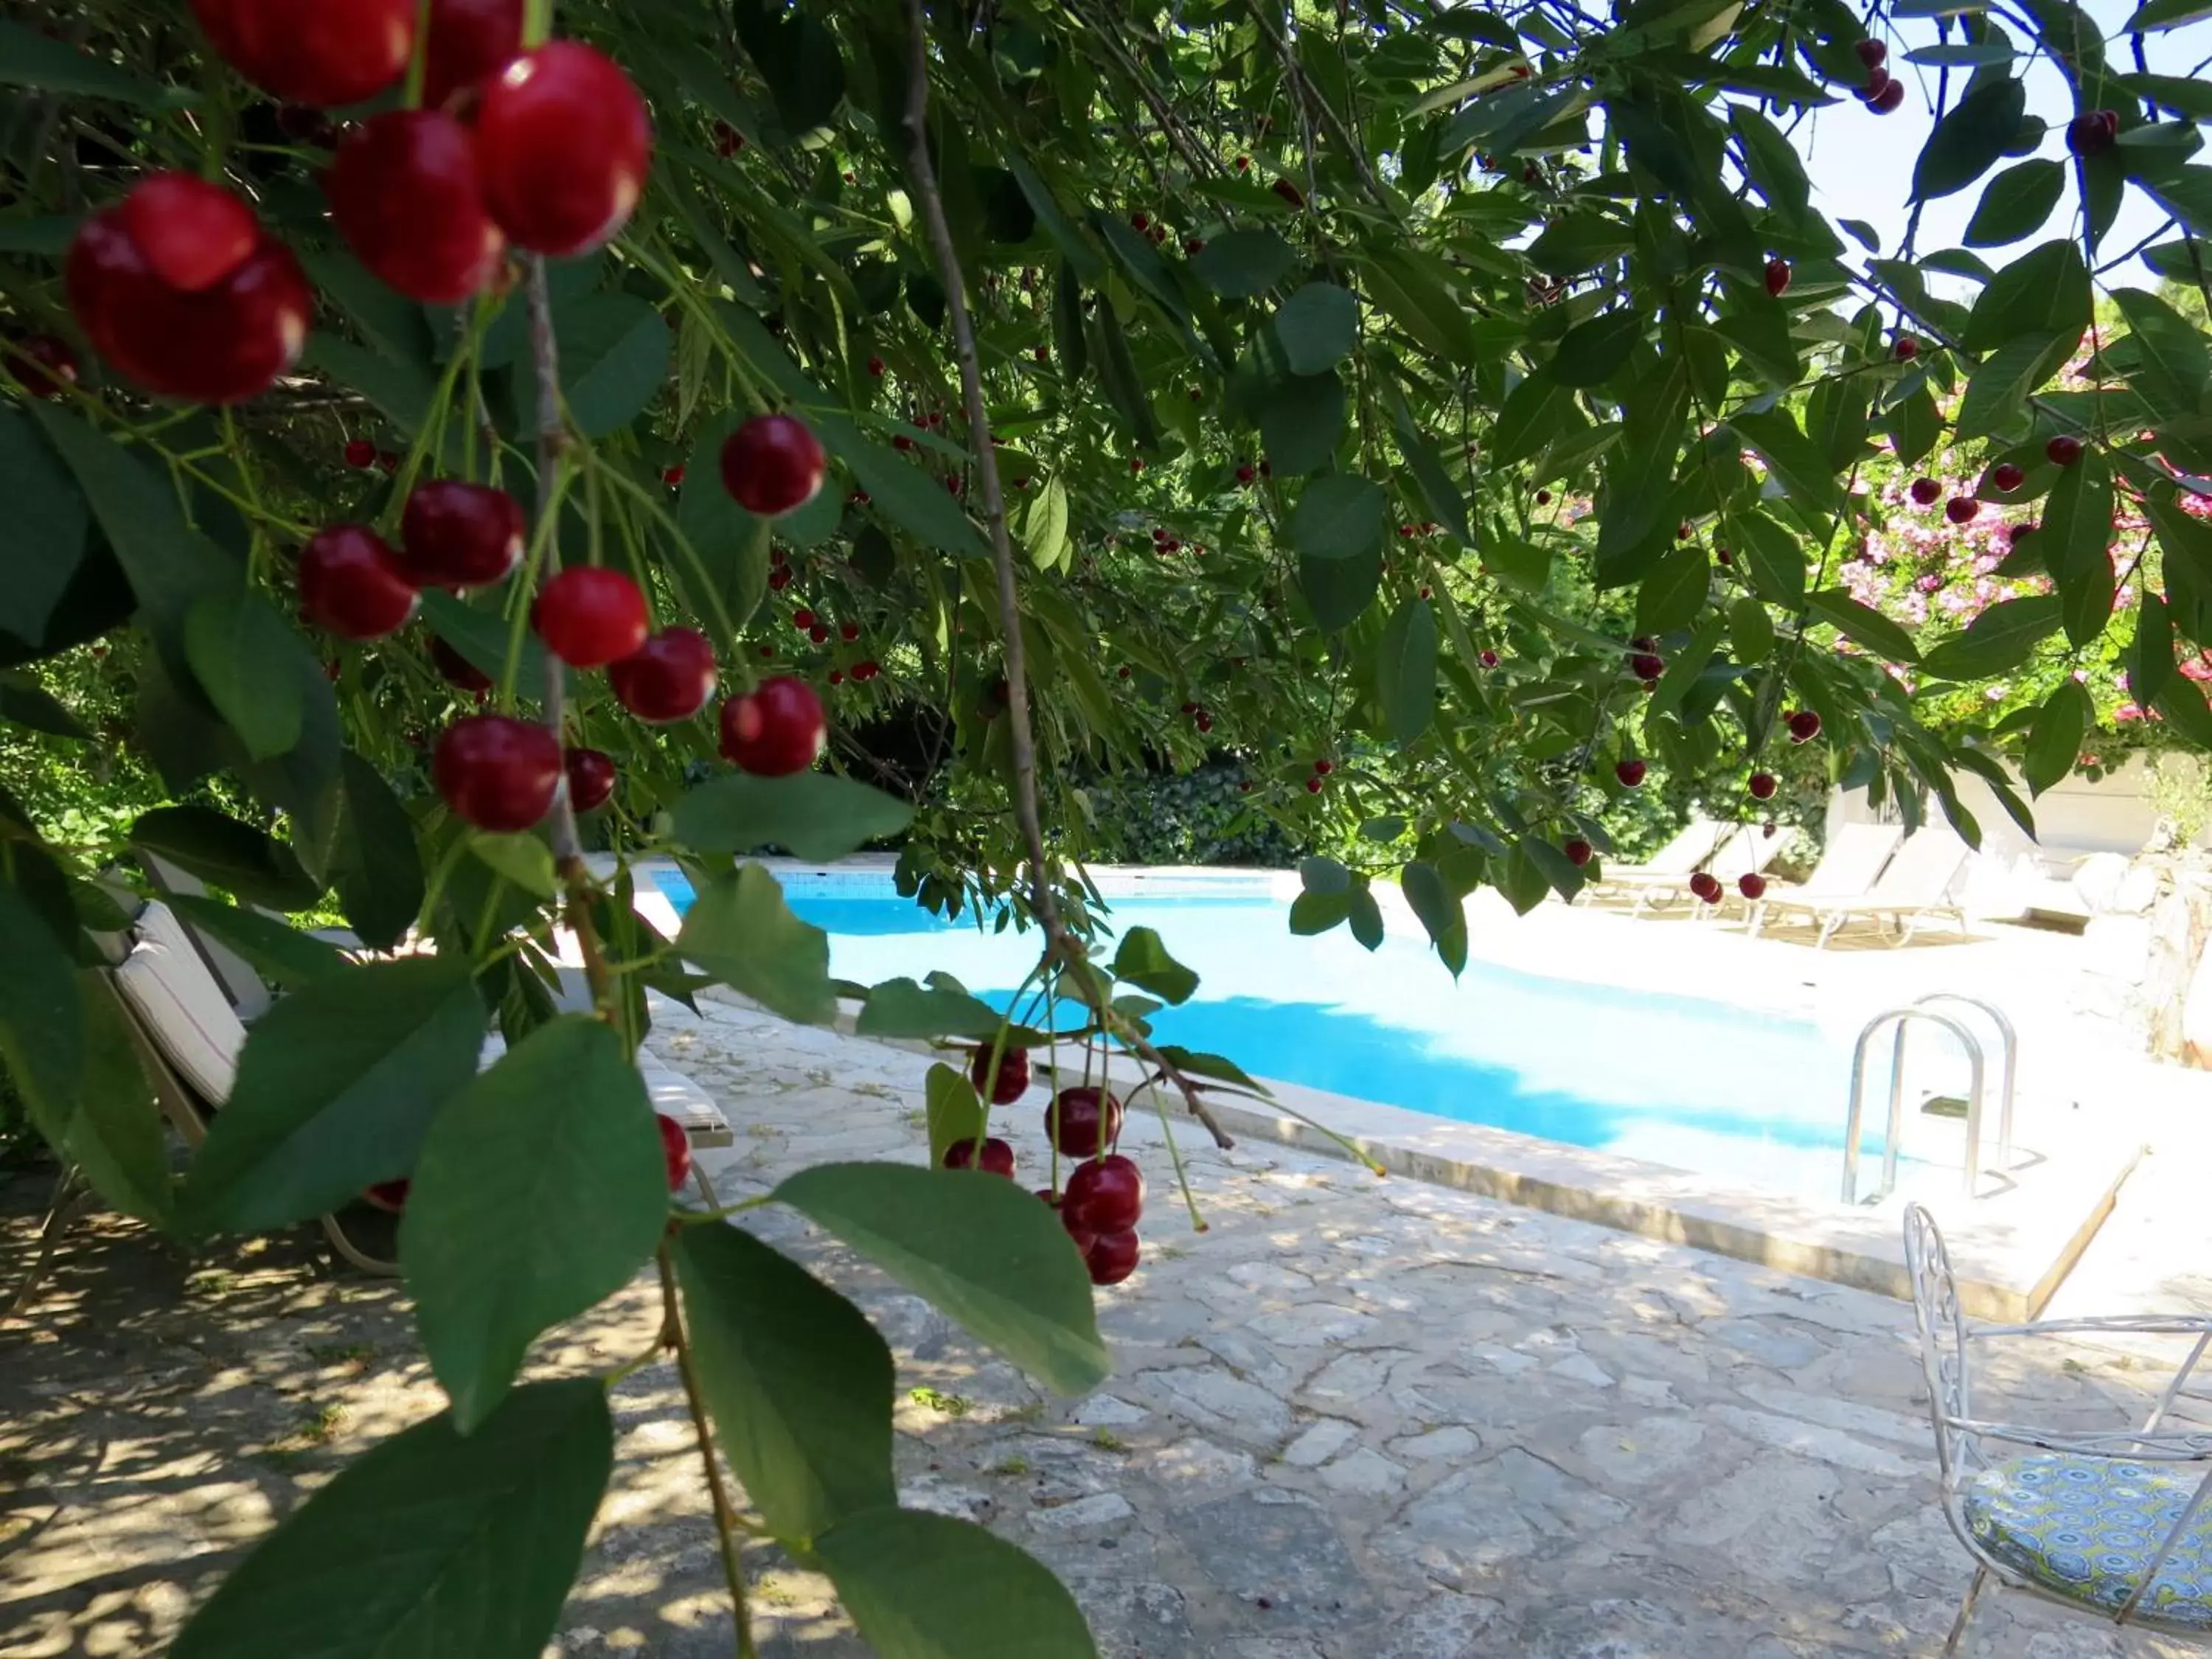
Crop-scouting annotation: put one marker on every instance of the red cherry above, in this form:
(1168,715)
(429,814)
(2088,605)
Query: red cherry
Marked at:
(457,669)
(667,678)
(1906,348)
(2091,133)
(1109,1258)
(1631,774)
(351,583)
(1106,1194)
(1877,83)
(407,197)
(772,464)
(675,1150)
(1762,786)
(1578,852)
(802,620)
(1872,53)
(591,778)
(2006,476)
(1961,509)
(1204,722)
(1312,786)
(589,616)
(866,670)
(1887,99)
(1644,642)
(848,631)
(470,41)
(1245,474)
(776,730)
(1778,277)
(46,367)
(388,1195)
(193,233)
(222,345)
(1136,463)
(1487,659)
(780,578)
(329,54)
(1804,726)
(1243,164)
(673,476)
(2062,450)
(457,535)
(1647,665)
(388,459)
(1323,767)
(360,454)
(1289,192)
(496,772)
(1707,885)
(1009,1083)
(998,1158)
(1084,1121)
(564,144)
(1751,884)
(1925,491)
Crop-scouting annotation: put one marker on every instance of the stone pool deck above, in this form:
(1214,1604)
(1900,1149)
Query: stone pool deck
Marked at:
(1357,1418)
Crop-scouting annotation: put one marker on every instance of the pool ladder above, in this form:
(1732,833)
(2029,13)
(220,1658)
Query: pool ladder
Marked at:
(1902,1019)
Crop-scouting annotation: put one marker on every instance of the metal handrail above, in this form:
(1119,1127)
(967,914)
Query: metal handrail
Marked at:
(2009,1051)
(1896,1126)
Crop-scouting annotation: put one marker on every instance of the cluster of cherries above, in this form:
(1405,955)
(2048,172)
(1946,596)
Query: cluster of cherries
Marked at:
(1883,92)
(2005,476)
(1103,1199)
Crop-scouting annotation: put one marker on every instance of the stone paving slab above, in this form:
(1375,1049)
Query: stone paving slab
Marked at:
(1354,1420)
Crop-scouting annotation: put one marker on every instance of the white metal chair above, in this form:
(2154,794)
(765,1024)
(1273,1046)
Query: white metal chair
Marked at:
(1914,886)
(2112,1523)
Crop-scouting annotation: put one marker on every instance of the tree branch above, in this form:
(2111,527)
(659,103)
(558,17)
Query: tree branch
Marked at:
(1060,944)
(726,1514)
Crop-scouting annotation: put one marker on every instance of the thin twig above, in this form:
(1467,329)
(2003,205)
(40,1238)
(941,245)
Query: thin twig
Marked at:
(727,1523)
(552,440)
(1059,943)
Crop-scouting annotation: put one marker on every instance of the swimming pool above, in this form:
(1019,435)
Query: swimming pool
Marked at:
(1751,1098)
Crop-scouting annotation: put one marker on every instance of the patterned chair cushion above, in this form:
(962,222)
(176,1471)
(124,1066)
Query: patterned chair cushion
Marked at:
(2085,1528)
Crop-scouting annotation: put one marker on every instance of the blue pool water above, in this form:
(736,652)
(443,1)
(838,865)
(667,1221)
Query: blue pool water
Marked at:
(1752,1099)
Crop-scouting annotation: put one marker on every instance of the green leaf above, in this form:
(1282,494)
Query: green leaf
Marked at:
(280,954)
(740,931)
(978,1246)
(1836,418)
(375,864)
(1997,393)
(1316,912)
(1430,900)
(433,1543)
(955,1111)
(1790,457)
(47,521)
(614,352)
(168,564)
(1301,422)
(1915,425)
(1210,1066)
(523,859)
(1044,526)
(1970,138)
(540,1189)
(1338,516)
(1438,493)
(42,1025)
(1773,557)
(241,652)
(336,1089)
(1592,353)
(2166,15)
(1533,413)
(107,1122)
(1339,590)
(2186,193)
(480,636)
(1862,626)
(912,499)
(25,702)
(2017,202)
(1415,288)
(2054,741)
(1961,54)
(2074,538)
(1324,876)
(922,1586)
(1143,960)
(1760,334)
(730,578)
(228,855)
(1775,166)
(1750,629)
(2150,658)
(1406,671)
(1997,641)
(404,391)
(812,815)
(1317,326)
(45,63)
(2173,362)
(1684,668)
(1578,242)
(1673,594)
(796,1379)
(900,1008)
(2045,291)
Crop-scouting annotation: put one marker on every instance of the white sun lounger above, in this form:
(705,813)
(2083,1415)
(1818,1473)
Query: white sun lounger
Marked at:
(1853,859)
(1916,885)
(1692,844)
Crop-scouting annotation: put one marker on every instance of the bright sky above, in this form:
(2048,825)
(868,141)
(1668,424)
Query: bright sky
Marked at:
(1860,163)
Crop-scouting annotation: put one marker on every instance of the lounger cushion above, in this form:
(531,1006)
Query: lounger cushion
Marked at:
(2085,1528)
(181,1006)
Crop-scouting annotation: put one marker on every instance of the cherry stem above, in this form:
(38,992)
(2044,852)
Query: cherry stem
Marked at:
(552,441)
(727,1523)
